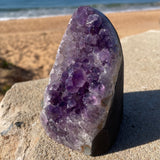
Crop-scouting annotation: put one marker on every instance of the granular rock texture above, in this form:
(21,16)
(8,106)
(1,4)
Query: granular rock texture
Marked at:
(84,98)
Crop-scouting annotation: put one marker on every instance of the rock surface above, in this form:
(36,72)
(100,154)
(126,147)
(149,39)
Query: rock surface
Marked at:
(21,134)
(83,101)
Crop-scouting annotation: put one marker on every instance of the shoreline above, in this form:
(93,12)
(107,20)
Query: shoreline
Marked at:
(68,14)
(21,11)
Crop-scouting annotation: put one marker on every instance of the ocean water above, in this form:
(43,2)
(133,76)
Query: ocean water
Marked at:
(21,9)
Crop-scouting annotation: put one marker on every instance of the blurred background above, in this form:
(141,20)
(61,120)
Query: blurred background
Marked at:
(31,30)
(17,9)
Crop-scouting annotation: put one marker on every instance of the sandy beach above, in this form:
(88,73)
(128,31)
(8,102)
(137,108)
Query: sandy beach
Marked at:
(28,47)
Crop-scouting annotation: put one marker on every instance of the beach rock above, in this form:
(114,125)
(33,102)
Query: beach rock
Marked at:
(22,136)
(83,101)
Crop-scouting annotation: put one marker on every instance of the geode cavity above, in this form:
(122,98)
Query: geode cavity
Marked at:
(84,98)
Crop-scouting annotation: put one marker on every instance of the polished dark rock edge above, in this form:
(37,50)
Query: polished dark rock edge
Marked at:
(106,137)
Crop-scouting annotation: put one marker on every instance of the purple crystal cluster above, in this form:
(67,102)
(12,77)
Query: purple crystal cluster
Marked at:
(82,81)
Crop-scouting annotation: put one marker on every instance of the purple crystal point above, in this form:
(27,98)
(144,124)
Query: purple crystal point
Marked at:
(84,98)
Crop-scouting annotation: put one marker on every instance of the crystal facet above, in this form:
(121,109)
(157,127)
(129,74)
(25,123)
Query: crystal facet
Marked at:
(84,98)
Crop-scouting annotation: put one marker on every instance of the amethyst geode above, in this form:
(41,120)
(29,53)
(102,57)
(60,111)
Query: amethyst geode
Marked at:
(84,98)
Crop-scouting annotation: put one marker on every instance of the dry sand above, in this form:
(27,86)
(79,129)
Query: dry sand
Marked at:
(31,44)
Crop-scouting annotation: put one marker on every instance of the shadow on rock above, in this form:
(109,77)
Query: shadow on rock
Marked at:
(141,120)
(10,74)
